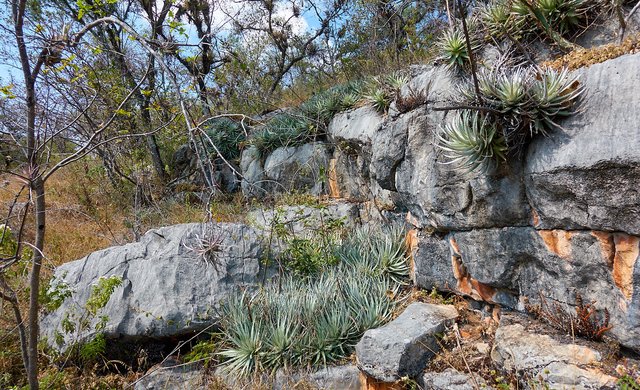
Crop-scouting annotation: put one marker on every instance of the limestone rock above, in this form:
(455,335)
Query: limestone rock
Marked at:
(403,346)
(437,195)
(559,364)
(345,377)
(253,176)
(451,379)
(301,168)
(173,377)
(586,176)
(503,265)
(167,288)
(355,127)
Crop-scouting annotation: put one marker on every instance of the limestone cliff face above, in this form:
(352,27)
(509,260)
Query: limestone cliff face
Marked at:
(564,220)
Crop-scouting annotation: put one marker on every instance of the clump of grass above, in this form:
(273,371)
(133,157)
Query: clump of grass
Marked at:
(587,322)
(313,321)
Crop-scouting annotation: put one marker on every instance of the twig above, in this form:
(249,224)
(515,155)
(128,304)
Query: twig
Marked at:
(464,358)
(472,58)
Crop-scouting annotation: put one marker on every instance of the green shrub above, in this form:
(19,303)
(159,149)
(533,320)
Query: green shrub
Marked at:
(316,320)
(227,135)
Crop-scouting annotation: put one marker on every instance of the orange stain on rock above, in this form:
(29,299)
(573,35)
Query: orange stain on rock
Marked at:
(368,383)
(607,246)
(535,218)
(557,241)
(334,189)
(411,243)
(468,285)
(627,250)
(620,251)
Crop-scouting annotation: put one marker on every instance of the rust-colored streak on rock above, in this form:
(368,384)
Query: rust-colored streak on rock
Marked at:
(469,286)
(557,241)
(334,190)
(627,249)
(454,246)
(411,243)
(535,218)
(607,246)
(368,383)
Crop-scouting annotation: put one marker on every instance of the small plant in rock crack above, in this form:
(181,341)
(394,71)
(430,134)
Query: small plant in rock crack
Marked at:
(208,244)
(516,105)
(587,322)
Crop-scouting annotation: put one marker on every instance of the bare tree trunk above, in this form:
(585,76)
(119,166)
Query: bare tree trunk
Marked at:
(37,185)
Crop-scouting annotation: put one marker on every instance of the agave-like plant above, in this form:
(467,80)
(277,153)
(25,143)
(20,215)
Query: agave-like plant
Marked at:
(379,99)
(553,94)
(315,320)
(453,48)
(396,80)
(472,141)
(226,135)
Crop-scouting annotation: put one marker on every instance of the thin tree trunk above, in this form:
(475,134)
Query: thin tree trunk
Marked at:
(37,185)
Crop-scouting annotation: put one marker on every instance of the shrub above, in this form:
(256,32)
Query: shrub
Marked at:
(227,135)
(316,320)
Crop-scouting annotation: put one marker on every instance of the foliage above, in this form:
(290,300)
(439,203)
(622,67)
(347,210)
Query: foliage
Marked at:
(472,141)
(92,350)
(380,100)
(627,382)
(101,293)
(282,130)
(317,320)
(454,49)
(587,322)
(227,135)
(516,105)
(202,351)
(53,294)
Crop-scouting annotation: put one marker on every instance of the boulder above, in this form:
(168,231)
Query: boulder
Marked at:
(403,346)
(253,176)
(173,280)
(451,379)
(558,364)
(585,176)
(346,377)
(504,265)
(355,127)
(301,168)
(172,375)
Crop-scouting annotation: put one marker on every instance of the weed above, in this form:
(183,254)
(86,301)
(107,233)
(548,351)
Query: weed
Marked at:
(587,322)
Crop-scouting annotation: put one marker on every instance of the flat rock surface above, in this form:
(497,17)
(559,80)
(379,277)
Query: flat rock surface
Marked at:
(559,363)
(168,287)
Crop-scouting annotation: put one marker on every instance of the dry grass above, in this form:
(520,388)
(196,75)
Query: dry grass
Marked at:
(583,58)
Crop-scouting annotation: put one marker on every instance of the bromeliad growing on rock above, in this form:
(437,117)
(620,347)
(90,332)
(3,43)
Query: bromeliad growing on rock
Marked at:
(516,106)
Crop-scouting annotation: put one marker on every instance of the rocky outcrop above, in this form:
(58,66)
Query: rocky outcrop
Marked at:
(452,379)
(173,280)
(345,377)
(403,346)
(559,364)
(301,168)
(504,265)
(585,177)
